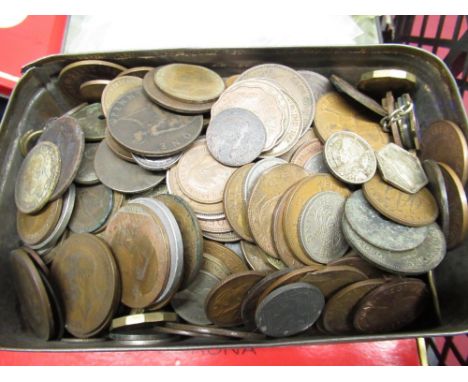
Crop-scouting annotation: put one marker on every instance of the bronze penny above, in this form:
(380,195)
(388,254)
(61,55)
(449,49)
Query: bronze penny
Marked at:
(146,129)
(38,262)
(216,331)
(93,205)
(233,262)
(91,91)
(191,235)
(117,88)
(88,281)
(34,301)
(140,244)
(215,267)
(223,303)
(306,151)
(92,121)
(119,200)
(338,313)
(118,149)
(138,71)
(265,195)
(234,204)
(358,262)
(57,308)
(67,135)
(182,332)
(391,306)
(445,142)
(413,210)
(458,209)
(33,229)
(256,258)
(228,237)
(308,137)
(86,174)
(215,226)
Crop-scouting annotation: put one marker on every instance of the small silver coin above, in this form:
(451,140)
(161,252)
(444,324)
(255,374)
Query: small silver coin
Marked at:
(320,227)
(377,230)
(319,85)
(235,137)
(316,164)
(156,164)
(86,174)
(350,158)
(256,171)
(401,169)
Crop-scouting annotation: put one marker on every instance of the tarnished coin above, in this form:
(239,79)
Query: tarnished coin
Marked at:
(228,257)
(144,128)
(93,206)
(120,175)
(88,281)
(141,320)
(223,304)
(319,85)
(378,82)
(189,83)
(335,113)
(350,157)
(235,137)
(276,263)
(256,257)
(92,121)
(405,134)
(73,75)
(263,99)
(119,200)
(338,312)
(291,82)
(378,231)
(355,260)
(156,164)
(412,121)
(236,248)
(316,164)
(391,306)
(37,177)
(86,174)
(38,262)
(215,226)
(348,89)
(413,210)
(201,177)
(135,338)
(401,169)
(227,237)
(306,151)
(265,195)
(138,71)
(215,267)
(91,91)
(320,227)
(389,104)
(308,137)
(230,80)
(118,149)
(56,305)
(289,310)
(28,140)
(415,261)
(211,330)
(117,88)
(458,209)
(444,142)
(255,172)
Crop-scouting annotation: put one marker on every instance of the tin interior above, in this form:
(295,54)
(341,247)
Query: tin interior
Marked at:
(38,97)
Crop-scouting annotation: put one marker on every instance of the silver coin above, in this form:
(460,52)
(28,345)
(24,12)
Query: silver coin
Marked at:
(350,158)
(292,83)
(320,227)
(413,262)
(316,164)
(401,169)
(378,231)
(263,99)
(235,137)
(156,164)
(236,248)
(319,85)
(86,174)
(256,171)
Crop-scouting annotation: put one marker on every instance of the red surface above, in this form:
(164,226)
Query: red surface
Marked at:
(402,352)
(35,37)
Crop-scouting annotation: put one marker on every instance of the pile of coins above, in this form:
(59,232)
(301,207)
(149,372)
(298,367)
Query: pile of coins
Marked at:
(174,203)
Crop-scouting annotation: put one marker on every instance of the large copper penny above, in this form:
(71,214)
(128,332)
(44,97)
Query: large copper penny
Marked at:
(88,281)
(211,330)
(458,209)
(391,306)
(408,209)
(223,304)
(37,177)
(215,267)
(67,135)
(265,195)
(256,257)
(353,259)
(117,88)
(215,226)
(227,256)
(91,91)
(92,121)
(118,149)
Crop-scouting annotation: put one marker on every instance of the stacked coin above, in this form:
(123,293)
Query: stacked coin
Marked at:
(242,233)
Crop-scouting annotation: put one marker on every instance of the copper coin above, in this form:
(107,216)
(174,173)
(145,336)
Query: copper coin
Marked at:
(215,226)
(191,235)
(117,88)
(338,312)
(230,80)
(413,210)
(256,257)
(119,200)
(265,195)
(211,330)
(92,121)
(182,332)
(118,149)
(215,267)
(73,75)
(307,137)
(91,91)
(146,129)
(228,237)
(234,204)
(228,257)
(120,175)
(445,142)
(458,209)
(38,262)
(224,302)
(306,151)
(391,306)
(33,229)
(57,308)
(67,135)
(138,71)
(88,281)
(36,312)
(355,261)
(86,174)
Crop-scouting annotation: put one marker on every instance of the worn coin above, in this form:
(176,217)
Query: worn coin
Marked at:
(405,134)
(227,237)
(355,260)
(378,231)
(316,164)
(289,310)
(37,177)
(119,200)
(28,140)
(231,333)
(276,263)
(319,85)
(141,320)
(118,149)
(235,137)
(256,257)
(215,267)
(156,164)
(265,195)
(306,151)
(117,88)
(227,256)
(138,71)
(38,262)
(121,175)
(224,301)
(177,331)
(236,248)
(320,227)
(86,174)
(215,226)
(56,305)
(458,209)
(391,306)
(230,80)
(350,157)
(92,121)
(413,210)
(378,82)
(91,91)
(412,121)
(307,137)
(142,339)
(389,104)
(255,172)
